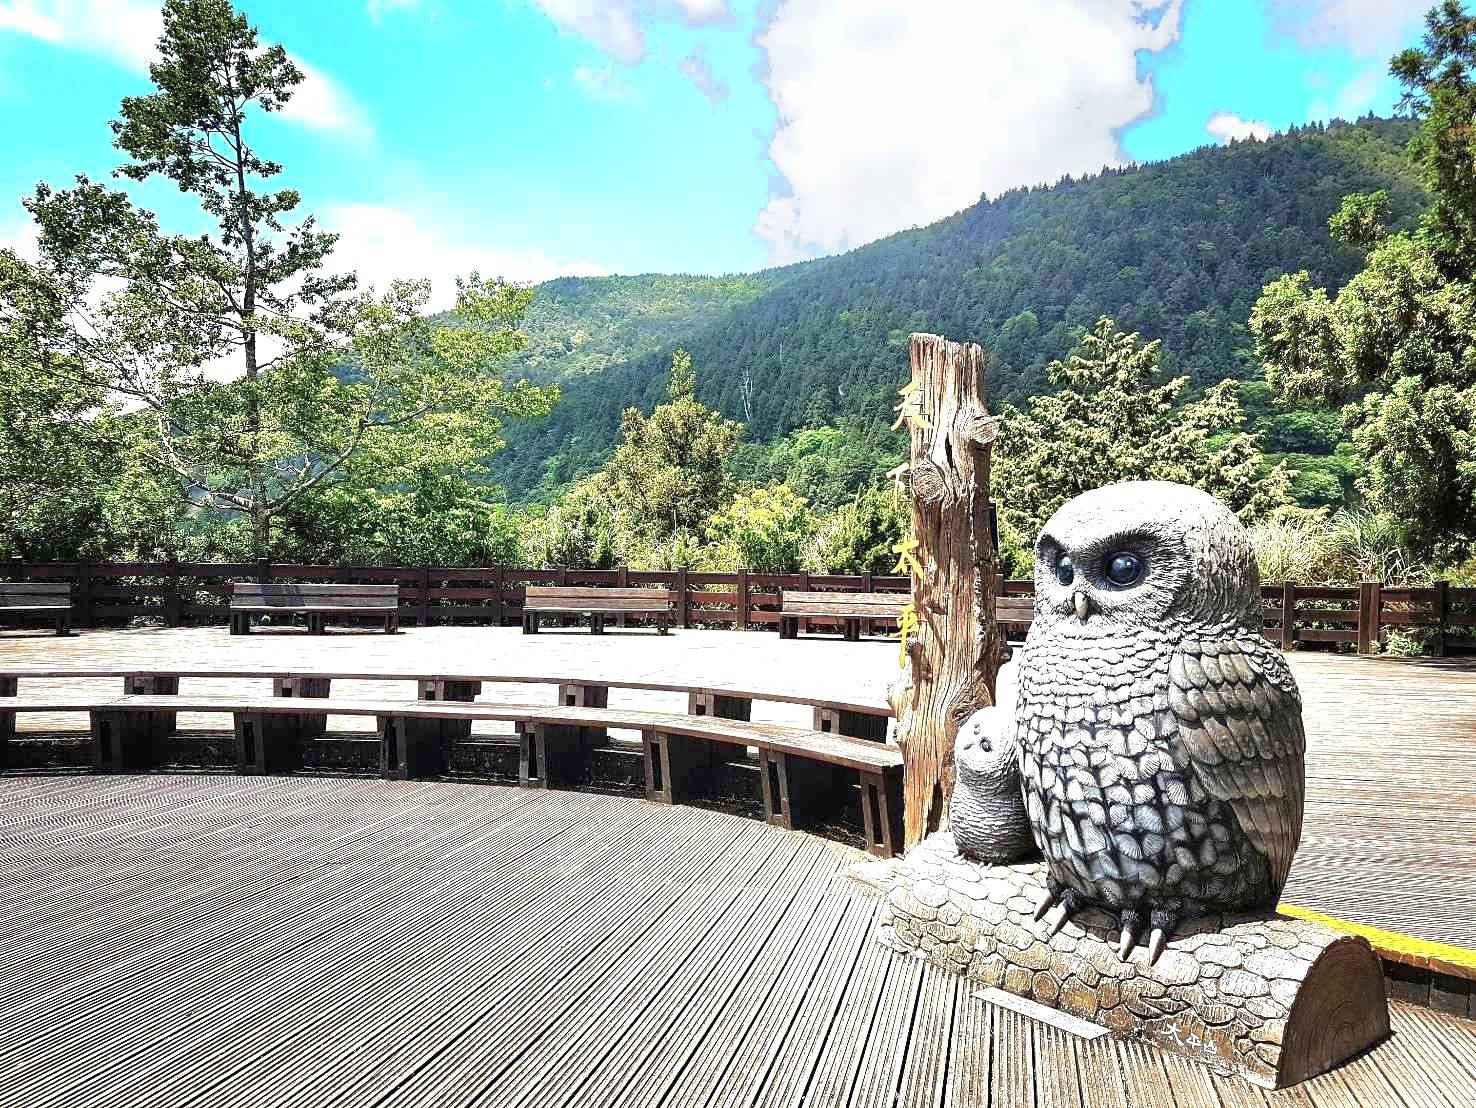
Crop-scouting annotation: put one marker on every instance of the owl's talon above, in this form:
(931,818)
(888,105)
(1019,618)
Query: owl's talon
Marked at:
(1132,924)
(1057,919)
(1043,906)
(1156,942)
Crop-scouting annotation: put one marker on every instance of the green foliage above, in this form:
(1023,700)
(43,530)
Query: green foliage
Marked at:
(1117,419)
(585,528)
(1361,219)
(858,537)
(1349,546)
(1177,250)
(829,466)
(1398,341)
(668,474)
(764,529)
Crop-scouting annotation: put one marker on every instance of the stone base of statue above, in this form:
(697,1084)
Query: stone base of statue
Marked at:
(1272,999)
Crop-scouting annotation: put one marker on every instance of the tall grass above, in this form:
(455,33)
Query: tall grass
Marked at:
(1349,546)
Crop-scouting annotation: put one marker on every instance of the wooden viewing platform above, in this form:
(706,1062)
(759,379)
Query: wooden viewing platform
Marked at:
(328,940)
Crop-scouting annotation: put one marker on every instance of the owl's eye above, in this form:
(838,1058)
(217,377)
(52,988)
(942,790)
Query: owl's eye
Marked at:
(1124,568)
(1065,572)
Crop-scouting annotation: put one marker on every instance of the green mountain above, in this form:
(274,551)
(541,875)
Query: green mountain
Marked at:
(1178,250)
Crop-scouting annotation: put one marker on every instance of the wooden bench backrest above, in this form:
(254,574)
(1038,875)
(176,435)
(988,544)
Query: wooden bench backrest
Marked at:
(877,605)
(35,594)
(626,600)
(251,594)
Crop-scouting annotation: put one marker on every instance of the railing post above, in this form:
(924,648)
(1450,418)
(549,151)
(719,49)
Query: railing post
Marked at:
(622,581)
(1288,615)
(263,570)
(82,602)
(742,615)
(1441,608)
(174,601)
(422,605)
(1368,616)
(866,586)
(15,570)
(684,601)
(499,603)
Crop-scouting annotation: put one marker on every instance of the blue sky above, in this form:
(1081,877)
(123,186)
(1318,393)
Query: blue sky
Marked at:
(532,138)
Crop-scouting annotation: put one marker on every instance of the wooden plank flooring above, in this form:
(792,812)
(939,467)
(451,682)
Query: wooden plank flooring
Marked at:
(1391,760)
(198,940)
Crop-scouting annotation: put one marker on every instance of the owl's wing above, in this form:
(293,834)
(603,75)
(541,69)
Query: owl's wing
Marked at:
(1240,729)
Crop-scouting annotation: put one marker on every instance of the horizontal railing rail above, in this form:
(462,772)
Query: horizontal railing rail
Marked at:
(189,593)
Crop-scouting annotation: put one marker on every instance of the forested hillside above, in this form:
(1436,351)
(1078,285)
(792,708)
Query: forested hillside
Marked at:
(1178,250)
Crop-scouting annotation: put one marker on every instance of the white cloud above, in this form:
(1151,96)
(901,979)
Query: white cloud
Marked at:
(1225,126)
(696,68)
(127,31)
(601,82)
(703,11)
(615,26)
(23,237)
(612,25)
(383,243)
(895,114)
(320,104)
(1366,27)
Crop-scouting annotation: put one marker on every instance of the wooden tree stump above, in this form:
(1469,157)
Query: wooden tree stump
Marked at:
(1273,999)
(951,661)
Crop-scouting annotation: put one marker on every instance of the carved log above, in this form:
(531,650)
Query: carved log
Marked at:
(953,657)
(1276,1000)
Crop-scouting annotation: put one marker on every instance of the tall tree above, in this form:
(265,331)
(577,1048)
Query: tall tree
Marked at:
(1397,343)
(1116,418)
(264,377)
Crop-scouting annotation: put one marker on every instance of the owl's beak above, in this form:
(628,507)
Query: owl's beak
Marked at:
(1082,606)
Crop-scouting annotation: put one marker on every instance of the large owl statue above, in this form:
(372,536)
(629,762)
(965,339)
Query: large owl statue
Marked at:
(1160,734)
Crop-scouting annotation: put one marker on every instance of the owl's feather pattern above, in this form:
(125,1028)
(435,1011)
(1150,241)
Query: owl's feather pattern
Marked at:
(1240,732)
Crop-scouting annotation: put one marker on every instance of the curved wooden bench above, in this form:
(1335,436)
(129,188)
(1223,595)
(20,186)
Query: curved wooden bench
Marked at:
(854,718)
(804,775)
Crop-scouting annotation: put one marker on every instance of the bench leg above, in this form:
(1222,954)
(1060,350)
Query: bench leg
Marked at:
(9,686)
(588,696)
(267,743)
(663,624)
(155,684)
(123,742)
(855,725)
(64,625)
(462,692)
(563,754)
(774,775)
(532,757)
(596,624)
(718,706)
(317,623)
(853,630)
(240,623)
(530,623)
(310,727)
(412,748)
(788,627)
(881,813)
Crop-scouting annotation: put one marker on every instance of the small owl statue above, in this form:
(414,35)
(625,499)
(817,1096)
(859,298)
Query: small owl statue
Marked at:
(1159,733)
(987,810)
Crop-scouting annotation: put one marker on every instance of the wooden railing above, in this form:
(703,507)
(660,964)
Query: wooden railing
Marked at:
(185,593)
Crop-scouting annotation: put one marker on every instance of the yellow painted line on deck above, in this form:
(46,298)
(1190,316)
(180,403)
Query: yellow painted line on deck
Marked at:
(1421,953)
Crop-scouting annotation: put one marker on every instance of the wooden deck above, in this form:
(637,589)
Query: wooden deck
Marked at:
(1391,757)
(180,940)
